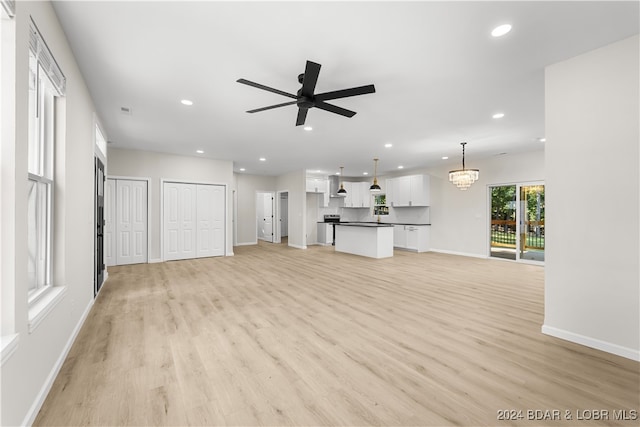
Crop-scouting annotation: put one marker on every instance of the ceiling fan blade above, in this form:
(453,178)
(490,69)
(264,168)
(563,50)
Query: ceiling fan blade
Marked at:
(284,104)
(354,91)
(334,109)
(311,72)
(302,116)
(267,88)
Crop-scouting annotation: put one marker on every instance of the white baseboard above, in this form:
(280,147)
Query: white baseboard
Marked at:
(297,246)
(247,243)
(467,254)
(155,261)
(46,387)
(616,349)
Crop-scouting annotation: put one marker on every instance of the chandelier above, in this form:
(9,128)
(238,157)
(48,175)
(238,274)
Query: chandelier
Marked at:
(463,178)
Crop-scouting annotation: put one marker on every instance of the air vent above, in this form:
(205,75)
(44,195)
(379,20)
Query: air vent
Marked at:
(125,110)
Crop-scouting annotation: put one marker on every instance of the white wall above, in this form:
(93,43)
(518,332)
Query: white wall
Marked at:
(28,374)
(312,215)
(592,196)
(247,186)
(157,166)
(460,219)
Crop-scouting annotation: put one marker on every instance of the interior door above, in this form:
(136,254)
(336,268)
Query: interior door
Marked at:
(180,226)
(131,222)
(109,222)
(210,220)
(268,217)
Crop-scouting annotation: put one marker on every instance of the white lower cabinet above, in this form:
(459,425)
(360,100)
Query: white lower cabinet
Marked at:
(411,237)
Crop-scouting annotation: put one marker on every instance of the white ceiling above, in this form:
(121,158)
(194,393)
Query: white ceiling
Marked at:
(438,73)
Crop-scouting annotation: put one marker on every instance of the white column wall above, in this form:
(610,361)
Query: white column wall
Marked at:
(157,166)
(592,269)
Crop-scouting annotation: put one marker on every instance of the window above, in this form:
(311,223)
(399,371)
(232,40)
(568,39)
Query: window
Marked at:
(40,184)
(46,82)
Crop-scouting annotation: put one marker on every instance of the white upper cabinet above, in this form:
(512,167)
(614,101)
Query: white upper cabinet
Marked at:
(358,195)
(411,190)
(317,185)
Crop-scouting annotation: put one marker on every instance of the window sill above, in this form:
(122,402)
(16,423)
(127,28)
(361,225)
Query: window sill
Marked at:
(44,305)
(9,346)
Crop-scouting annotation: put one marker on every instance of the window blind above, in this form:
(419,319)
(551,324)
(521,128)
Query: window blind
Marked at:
(9,6)
(46,59)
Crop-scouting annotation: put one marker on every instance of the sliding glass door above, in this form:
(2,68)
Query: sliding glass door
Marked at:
(517,222)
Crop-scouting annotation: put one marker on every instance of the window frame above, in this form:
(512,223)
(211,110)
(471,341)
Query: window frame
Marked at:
(40,174)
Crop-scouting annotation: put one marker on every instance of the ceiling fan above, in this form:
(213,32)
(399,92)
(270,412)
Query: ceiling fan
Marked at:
(306,98)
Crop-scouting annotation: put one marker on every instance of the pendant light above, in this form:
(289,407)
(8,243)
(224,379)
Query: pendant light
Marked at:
(463,178)
(375,188)
(342,192)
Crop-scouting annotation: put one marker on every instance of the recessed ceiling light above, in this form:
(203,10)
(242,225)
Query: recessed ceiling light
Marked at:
(445,157)
(242,169)
(365,173)
(400,167)
(498,115)
(542,139)
(388,145)
(262,159)
(308,128)
(501,30)
(186,102)
(199,151)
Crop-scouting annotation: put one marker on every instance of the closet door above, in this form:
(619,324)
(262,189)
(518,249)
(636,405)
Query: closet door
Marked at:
(131,222)
(179,221)
(210,216)
(109,222)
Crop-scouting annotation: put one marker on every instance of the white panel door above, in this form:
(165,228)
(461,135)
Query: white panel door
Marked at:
(210,217)
(179,213)
(109,222)
(131,222)
(268,217)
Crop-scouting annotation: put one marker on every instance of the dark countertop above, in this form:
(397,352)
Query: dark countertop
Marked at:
(364,224)
(369,222)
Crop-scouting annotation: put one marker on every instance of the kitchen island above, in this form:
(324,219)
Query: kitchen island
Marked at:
(372,240)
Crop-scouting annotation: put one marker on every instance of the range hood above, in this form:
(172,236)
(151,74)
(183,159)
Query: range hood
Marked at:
(334,186)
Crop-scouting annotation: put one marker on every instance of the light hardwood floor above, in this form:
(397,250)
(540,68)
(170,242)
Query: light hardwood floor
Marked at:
(281,336)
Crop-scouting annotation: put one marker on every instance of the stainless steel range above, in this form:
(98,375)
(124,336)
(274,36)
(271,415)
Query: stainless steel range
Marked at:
(332,218)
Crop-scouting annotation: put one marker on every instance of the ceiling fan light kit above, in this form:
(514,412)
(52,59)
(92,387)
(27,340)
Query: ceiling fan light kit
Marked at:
(463,178)
(306,99)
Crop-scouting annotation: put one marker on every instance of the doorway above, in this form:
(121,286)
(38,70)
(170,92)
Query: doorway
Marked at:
(264,216)
(282,234)
(98,263)
(517,222)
